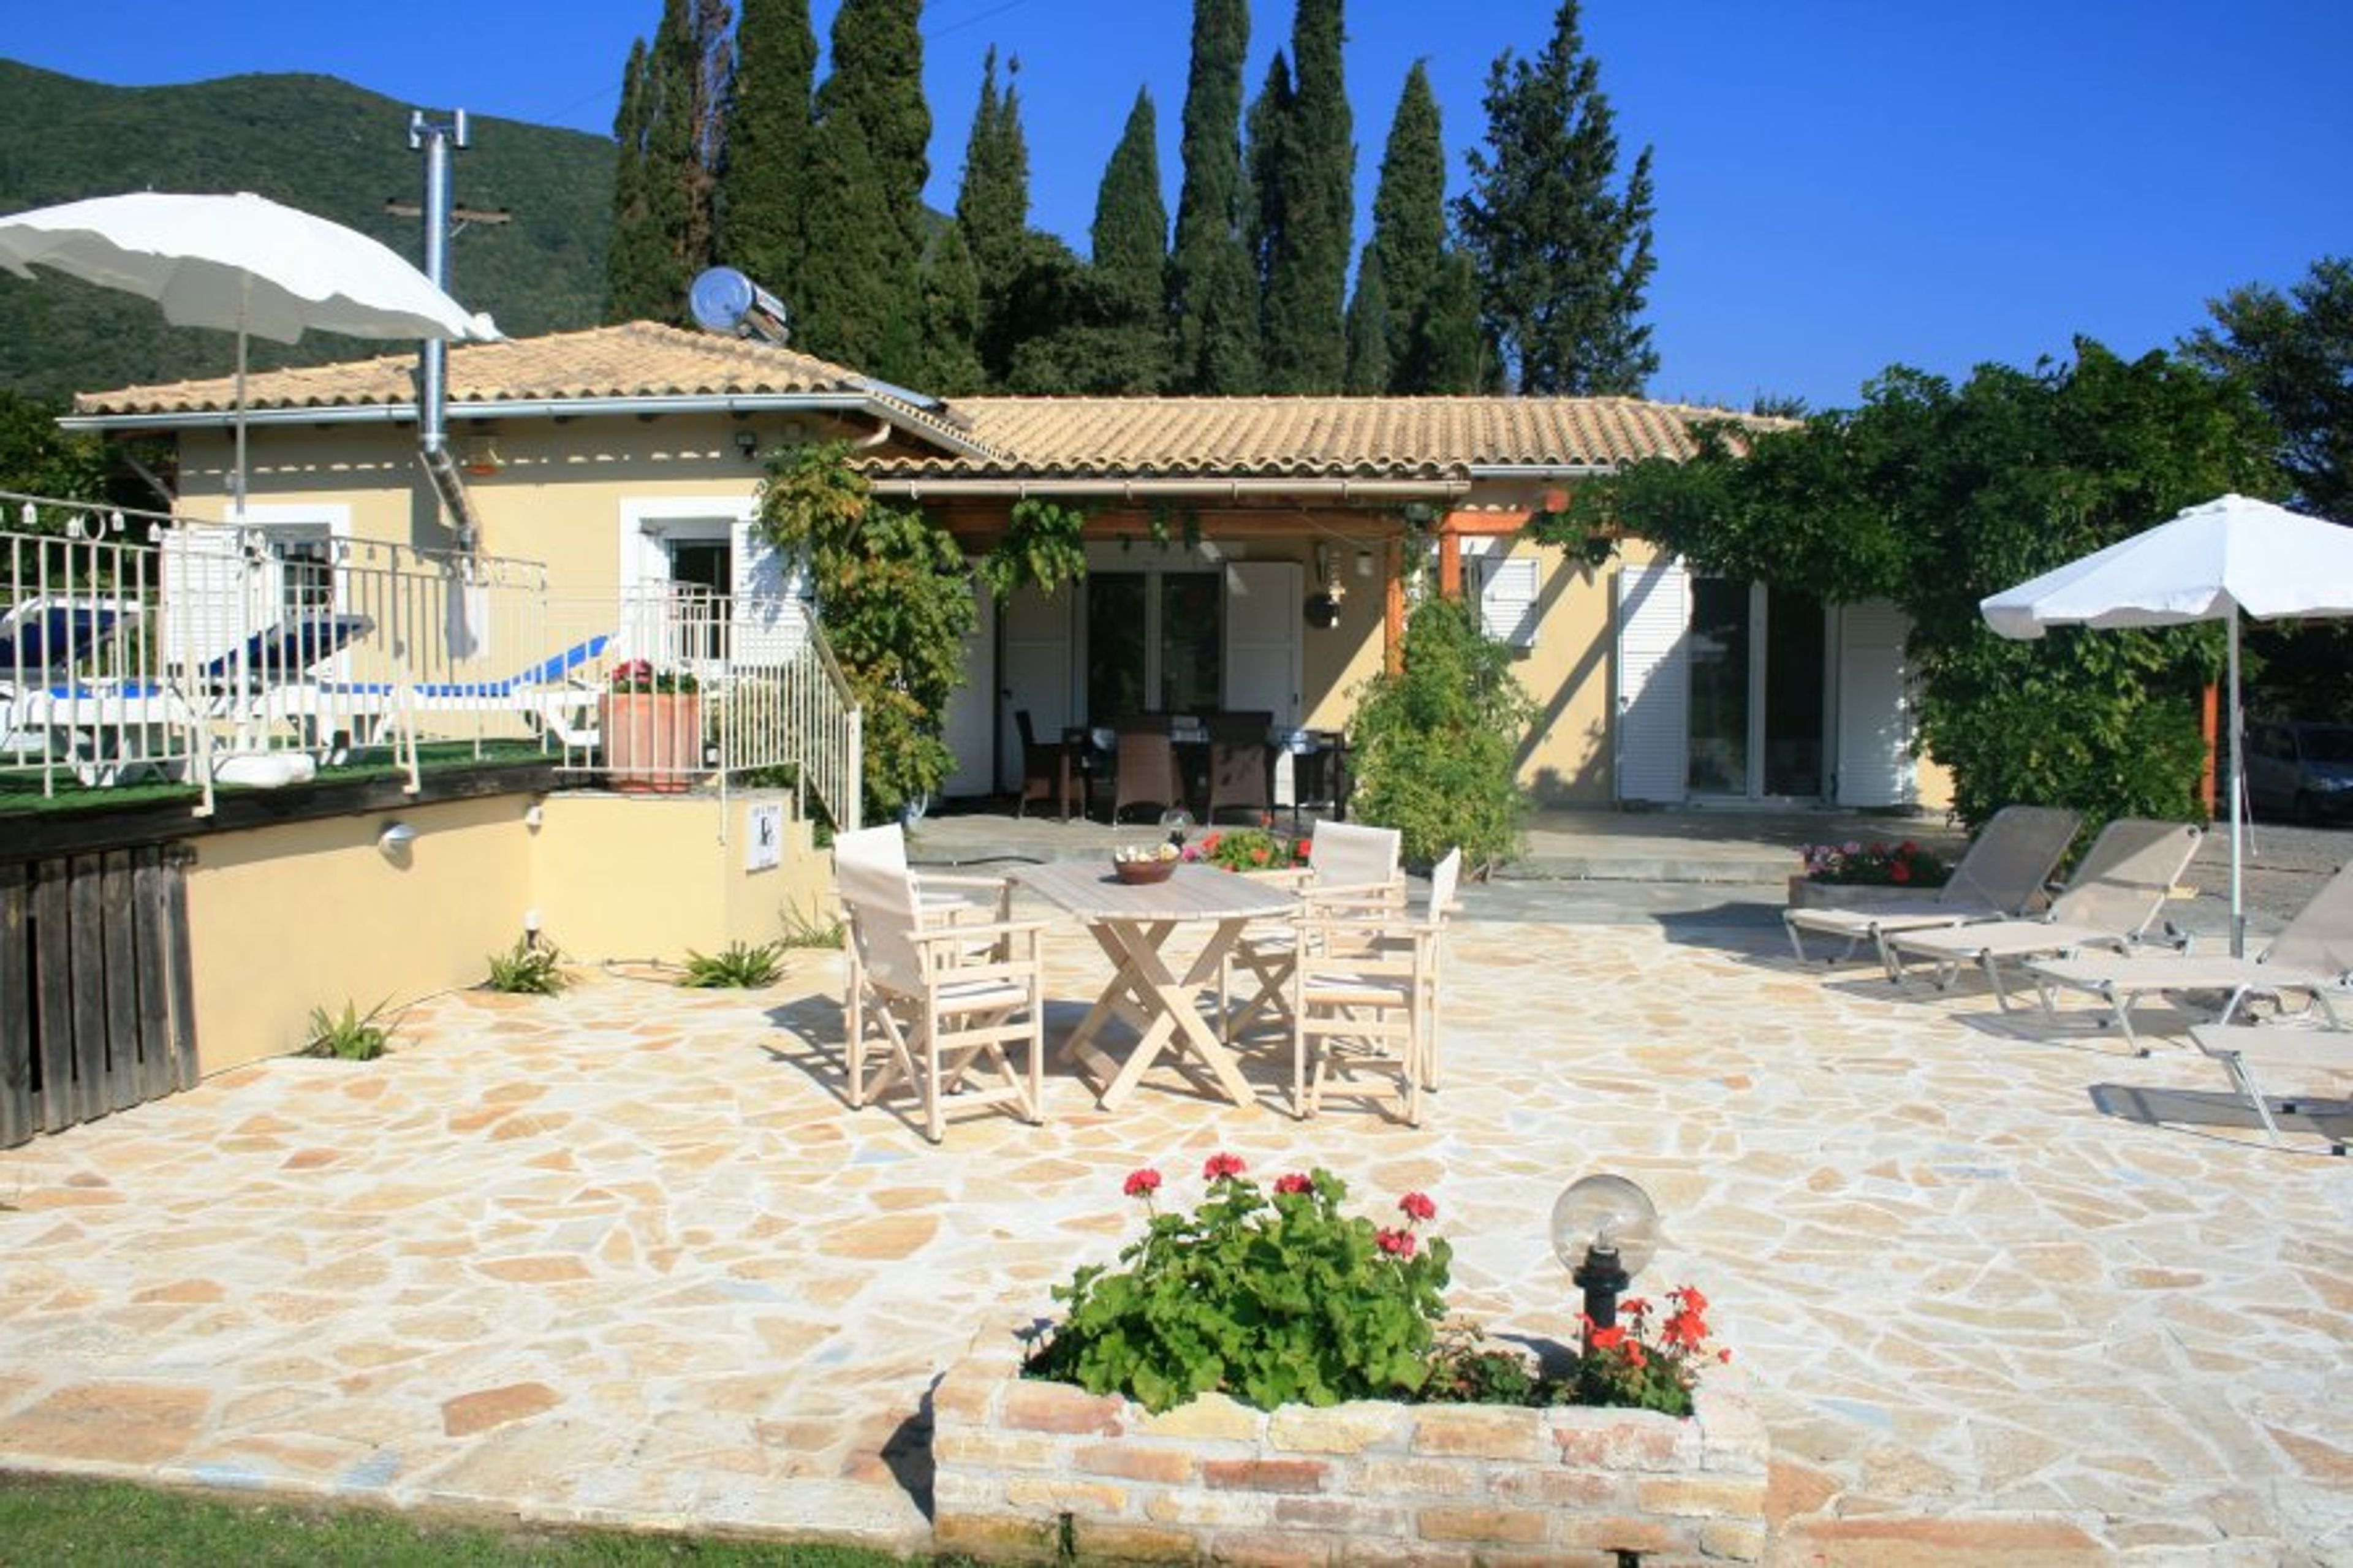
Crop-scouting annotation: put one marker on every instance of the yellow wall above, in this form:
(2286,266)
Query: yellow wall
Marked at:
(284,920)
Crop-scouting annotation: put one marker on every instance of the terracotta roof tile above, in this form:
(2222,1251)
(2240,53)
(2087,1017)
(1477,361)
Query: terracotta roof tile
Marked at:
(1276,437)
(1112,438)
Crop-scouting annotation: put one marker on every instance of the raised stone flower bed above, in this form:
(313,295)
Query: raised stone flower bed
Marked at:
(1805,893)
(1025,1468)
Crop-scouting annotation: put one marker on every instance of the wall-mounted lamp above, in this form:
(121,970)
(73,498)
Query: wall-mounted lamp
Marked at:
(747,442)
(1363,562)
(394,841)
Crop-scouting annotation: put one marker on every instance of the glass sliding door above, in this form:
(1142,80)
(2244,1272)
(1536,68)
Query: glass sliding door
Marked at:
(1719,687)
(1797,695)
(1155,643)
(1759,706)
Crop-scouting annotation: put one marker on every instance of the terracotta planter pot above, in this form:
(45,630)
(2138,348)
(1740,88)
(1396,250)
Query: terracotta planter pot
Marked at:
(653,740)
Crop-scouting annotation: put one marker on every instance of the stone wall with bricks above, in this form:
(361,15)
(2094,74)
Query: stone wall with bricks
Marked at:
(1023,1468)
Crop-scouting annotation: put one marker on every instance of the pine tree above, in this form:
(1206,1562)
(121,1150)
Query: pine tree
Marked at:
(861,275)
(769,140)
(1213,295)
(1563,258)
(1309,210)
(993,208)
(1368,330)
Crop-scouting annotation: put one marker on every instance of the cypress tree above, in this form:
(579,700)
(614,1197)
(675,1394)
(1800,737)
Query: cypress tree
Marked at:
(861,271)
(1564,258)
(1368,330)
(993,208)
(669,127)
(1130,236)
(1409,237)
(633,257)
(1311,211)
(1453,354)
(951,359)
(768,145)
(1213,295)
(1265,148)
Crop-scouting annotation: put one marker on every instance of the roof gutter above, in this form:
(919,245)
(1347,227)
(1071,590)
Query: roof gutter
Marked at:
(1129,489)
(935,434)
(1540,470)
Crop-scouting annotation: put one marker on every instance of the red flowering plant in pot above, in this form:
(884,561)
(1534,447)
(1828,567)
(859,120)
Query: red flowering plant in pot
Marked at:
(1635,1363)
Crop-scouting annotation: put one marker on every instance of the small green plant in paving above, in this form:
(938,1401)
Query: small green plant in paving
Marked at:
(809,929)
(740,967)
(48,1520)
(354,1036)
(529,968)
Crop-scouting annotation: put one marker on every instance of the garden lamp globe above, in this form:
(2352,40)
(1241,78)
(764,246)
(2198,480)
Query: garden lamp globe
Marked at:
(1605,1230)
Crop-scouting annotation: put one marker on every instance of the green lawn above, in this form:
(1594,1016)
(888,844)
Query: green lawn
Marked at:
(46,1521)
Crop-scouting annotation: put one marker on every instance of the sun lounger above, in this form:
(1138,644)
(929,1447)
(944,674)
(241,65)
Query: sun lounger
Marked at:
(2000,876)
(2243,1048)
(2112,900)
(542,694)
(2312,956)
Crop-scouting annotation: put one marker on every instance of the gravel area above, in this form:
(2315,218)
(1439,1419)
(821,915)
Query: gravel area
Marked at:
(2284,866)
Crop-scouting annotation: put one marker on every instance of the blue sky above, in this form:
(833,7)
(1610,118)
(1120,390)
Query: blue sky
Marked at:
(1842,184)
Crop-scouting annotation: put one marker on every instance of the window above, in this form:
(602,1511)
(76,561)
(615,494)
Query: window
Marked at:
(1504,588)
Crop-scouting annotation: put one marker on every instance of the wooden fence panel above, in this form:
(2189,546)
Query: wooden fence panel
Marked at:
(20,1116)
(53,1001)
(96,987)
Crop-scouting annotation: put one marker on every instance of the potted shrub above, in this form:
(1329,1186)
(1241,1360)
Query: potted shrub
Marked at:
(1858,874)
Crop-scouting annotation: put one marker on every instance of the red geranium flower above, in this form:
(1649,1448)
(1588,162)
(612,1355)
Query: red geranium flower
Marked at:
(1416,1206)
(1293,1183)
(1398,1243)
(1221,1167)
(1141,1183)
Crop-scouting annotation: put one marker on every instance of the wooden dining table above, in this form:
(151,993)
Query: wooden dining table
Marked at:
(1133,923)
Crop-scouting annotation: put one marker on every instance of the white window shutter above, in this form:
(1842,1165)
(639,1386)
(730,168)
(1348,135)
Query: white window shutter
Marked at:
(1507,598)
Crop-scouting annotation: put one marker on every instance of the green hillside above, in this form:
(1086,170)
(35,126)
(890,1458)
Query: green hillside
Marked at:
(310,141)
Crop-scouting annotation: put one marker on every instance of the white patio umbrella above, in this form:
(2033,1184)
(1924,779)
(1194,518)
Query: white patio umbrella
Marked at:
(2228,558)
(241,263)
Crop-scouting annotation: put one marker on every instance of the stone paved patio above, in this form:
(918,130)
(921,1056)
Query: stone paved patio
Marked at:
(623,1255)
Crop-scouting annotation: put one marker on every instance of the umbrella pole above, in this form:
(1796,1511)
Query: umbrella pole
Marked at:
(237,476)
(2238,795)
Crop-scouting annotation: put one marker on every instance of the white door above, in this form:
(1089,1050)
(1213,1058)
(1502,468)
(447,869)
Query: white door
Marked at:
(1036,671)
(1653,667)
(1875,706)
(1261,652)
(770,617)
(969,725)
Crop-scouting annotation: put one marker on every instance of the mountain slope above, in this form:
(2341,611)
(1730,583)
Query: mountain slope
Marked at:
(310,141)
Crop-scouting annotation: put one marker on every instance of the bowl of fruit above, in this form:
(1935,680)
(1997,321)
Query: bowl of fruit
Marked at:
(1145,862)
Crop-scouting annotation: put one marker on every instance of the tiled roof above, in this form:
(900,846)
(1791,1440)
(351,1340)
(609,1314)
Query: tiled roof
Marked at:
(1082,438)
(636,359)
(1302,438)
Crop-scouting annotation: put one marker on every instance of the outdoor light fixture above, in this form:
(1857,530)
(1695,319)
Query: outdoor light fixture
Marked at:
(1363,562)
(1604,1231)
(748,443)
(394,840)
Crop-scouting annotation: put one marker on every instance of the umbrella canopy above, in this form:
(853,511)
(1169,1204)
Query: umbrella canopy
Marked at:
(2228,558)
(240,263)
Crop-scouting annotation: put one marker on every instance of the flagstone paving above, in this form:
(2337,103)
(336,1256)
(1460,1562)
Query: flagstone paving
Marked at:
(624,1256)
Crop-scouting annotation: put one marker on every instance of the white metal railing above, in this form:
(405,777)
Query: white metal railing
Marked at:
(136,646)
(749,692)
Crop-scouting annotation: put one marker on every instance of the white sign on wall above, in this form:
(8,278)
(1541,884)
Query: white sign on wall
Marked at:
(764,846)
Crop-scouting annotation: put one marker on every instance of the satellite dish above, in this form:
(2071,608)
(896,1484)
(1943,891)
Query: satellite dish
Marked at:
(1606,1212)
(724,300)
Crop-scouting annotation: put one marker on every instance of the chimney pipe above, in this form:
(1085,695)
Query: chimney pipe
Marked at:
(436,140)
